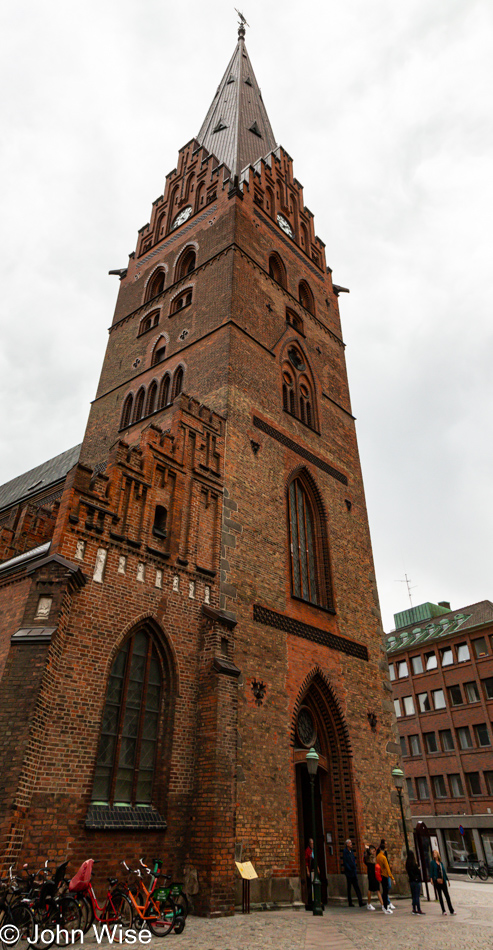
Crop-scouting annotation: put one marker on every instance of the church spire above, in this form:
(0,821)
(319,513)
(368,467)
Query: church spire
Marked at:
(236,128)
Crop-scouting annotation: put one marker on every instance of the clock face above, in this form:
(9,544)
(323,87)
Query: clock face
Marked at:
(285,225)
(181,217)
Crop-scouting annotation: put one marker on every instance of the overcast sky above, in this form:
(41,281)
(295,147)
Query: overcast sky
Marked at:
(386,110)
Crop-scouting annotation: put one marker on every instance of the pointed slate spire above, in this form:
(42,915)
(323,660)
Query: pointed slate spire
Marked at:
(236,128)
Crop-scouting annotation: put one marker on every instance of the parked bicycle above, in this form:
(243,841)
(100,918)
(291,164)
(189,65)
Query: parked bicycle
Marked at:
(479,869)
(176,893)
(153,905)
(115,909)
(16,914)
(50,907)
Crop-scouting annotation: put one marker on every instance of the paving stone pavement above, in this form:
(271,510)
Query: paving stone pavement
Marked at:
(344,928)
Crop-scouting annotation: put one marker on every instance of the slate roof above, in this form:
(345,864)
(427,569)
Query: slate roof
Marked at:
(38,479)
(236,128)
(455,621)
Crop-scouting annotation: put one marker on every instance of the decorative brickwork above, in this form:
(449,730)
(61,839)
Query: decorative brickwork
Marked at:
(281,622)
(294,447)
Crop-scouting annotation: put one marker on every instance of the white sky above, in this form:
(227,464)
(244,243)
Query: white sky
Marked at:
(386,110)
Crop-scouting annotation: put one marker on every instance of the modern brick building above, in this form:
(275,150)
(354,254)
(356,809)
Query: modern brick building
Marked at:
(188,600)
(441,666)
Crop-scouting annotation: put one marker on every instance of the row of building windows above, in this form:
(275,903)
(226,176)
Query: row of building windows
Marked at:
(423,663)
(411,745)
(475,786)
(405,706)
(187,263)
(277,271)
(156,396)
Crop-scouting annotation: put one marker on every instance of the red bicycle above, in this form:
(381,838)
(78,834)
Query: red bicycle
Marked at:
(116,908)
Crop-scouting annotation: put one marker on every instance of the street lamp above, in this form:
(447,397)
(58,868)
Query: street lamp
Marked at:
(312,765)
(398,776)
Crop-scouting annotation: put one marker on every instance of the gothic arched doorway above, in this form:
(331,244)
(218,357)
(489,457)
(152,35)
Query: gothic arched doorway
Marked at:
(318,722)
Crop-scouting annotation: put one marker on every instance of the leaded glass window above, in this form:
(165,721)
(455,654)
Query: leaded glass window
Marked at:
(129,733)
(302,539)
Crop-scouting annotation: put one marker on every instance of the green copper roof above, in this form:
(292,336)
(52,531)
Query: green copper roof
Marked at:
(440,627)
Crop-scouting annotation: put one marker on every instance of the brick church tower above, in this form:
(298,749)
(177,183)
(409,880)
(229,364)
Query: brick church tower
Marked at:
(188,599)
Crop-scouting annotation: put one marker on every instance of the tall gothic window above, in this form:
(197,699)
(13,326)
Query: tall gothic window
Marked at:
(302,540)
(309,550)
(129,734)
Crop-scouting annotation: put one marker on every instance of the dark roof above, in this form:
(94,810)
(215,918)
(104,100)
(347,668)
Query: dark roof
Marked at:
(38,479)
(236,128)
(455,621)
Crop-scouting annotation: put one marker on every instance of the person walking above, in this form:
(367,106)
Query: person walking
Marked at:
(387,876)
(415,880)
(351,872)
(370,859)
(439,877)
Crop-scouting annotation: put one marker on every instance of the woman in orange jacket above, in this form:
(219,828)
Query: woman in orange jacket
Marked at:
(386,876)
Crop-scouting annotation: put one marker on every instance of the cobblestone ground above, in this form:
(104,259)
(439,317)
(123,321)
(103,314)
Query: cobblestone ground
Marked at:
(344,928)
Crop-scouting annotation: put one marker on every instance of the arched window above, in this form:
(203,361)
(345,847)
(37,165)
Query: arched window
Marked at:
(160,518)
(302,541)
(164,391)
(183,300)
(159,353)
(150,320)
(309,549)
(277,269)
(156,284)
(129,734)
(297,387)
(139,405)
(305,297)
(294,320)
(178,382)
(127,411)
(159,230)
(151,398)
(186,264)
(304,237)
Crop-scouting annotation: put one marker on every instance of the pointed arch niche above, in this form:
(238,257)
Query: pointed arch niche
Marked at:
(298,385)
(318,721)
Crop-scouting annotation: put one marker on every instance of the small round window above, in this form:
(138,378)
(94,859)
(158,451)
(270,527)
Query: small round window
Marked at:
(306,728)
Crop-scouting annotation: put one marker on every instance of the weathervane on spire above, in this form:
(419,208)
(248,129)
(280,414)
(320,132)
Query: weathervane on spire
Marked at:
(242,24)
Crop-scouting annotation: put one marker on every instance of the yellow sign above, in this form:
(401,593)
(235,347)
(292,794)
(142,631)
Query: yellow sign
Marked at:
(247,870)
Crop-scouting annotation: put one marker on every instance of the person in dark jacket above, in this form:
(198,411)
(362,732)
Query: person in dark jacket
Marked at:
(415,880)
(439,877)
(351,872)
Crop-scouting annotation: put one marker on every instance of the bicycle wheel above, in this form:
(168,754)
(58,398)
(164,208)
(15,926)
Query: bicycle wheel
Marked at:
(86,913)
(483,873)
(472,872)
(182,905)
(23,919)
(123,910)
(165,918)
(70,915)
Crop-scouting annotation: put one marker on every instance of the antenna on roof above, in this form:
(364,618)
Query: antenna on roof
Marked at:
(407,581)
(241,26)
